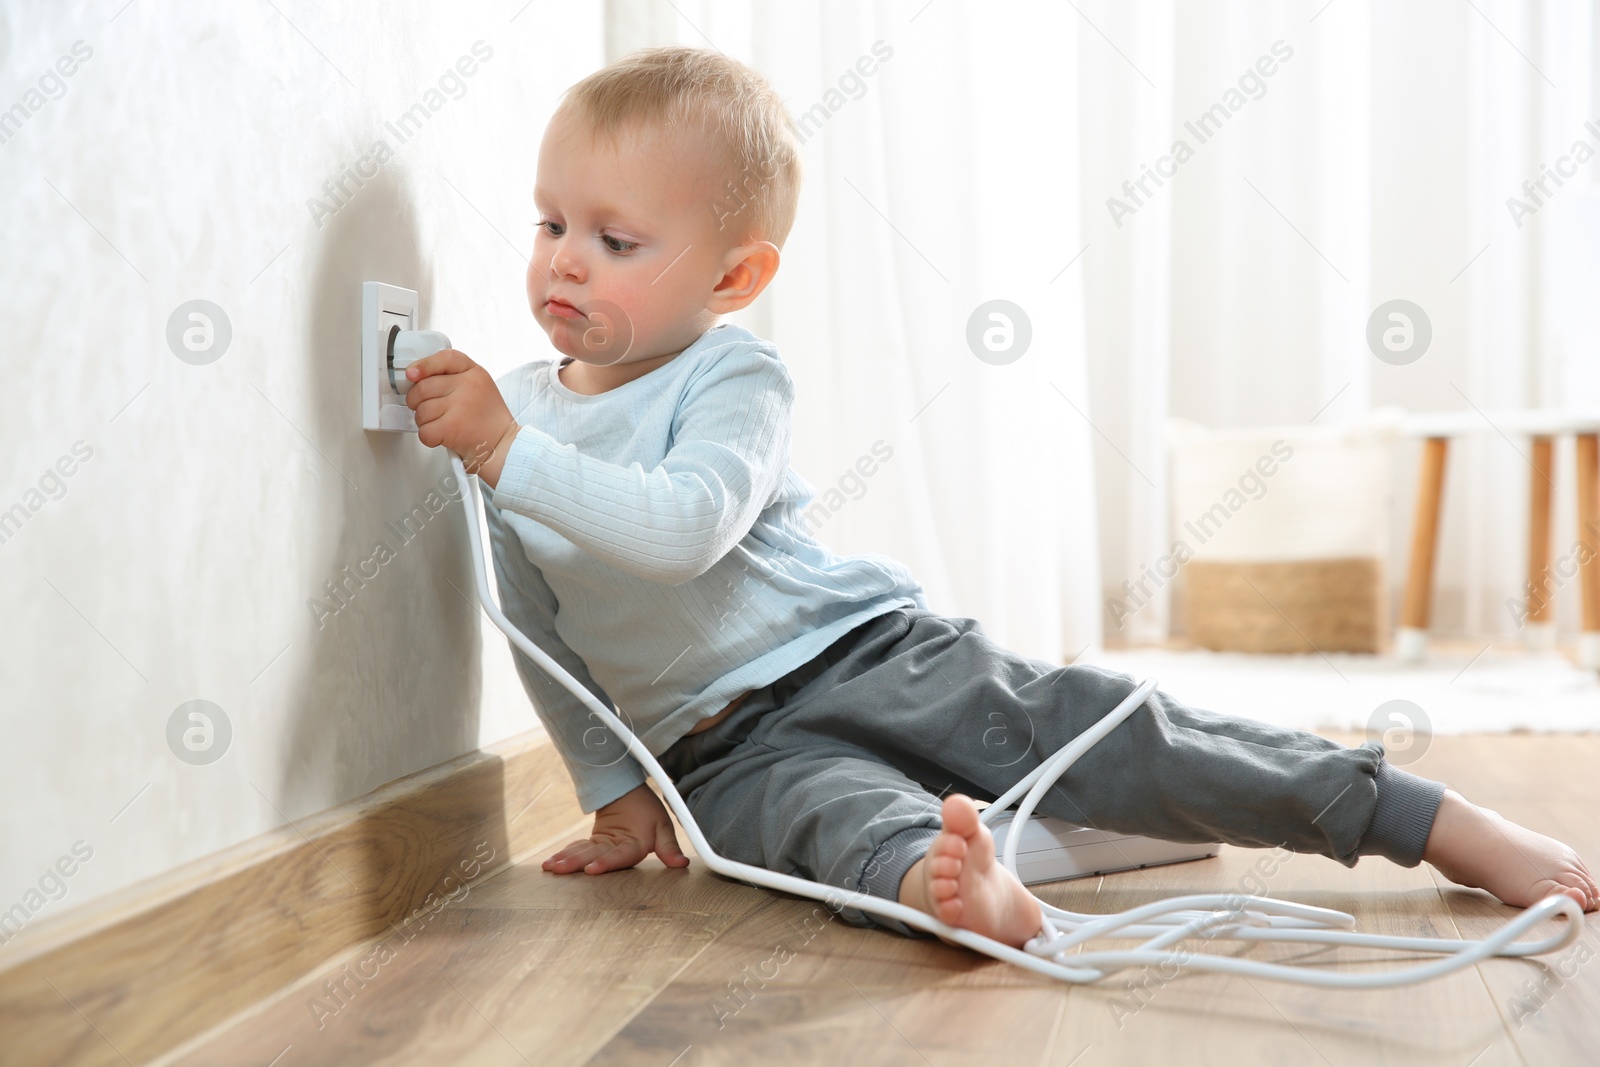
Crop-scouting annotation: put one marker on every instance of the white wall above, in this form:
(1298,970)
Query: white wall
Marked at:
(176,163)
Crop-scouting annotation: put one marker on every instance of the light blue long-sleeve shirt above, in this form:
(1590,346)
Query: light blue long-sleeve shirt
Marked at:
(651,540)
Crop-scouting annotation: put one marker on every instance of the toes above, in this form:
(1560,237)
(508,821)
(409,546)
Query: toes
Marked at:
(949,845)
(1578,883)
(960,815)
(1549,887)
(961,819)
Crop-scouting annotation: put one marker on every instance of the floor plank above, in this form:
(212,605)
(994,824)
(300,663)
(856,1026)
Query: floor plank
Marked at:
(792,983)
(503,976)
(663,967)
(1140,1018)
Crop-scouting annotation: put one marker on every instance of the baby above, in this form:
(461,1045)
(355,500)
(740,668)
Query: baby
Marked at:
(818,718)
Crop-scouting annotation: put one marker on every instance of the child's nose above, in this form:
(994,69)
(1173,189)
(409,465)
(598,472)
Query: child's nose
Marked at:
(565,263)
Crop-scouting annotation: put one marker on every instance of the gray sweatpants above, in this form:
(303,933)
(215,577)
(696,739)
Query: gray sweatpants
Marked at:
(834,772)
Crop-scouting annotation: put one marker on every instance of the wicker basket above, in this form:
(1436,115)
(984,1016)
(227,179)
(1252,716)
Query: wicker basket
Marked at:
(1286,532)
(1323,605)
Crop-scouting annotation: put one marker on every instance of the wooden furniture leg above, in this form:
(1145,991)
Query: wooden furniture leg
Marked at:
(1411,642)
(1540,631)
(1589,536)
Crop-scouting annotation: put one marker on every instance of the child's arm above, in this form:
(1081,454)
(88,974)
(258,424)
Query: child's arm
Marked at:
(729,454)
(596,759)
(630,822)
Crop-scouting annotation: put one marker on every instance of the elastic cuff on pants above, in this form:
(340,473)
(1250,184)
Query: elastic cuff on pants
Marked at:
(1403,816)
(888,866)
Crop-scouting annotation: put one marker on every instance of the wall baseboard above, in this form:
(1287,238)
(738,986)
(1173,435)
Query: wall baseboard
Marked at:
(144,970)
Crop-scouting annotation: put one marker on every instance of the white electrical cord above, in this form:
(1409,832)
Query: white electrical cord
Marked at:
(1209,916)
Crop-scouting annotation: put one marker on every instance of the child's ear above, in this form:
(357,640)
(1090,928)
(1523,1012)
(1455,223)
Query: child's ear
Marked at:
(748,269)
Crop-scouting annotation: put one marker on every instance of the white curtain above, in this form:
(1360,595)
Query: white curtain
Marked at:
(944,178)
(1374,163)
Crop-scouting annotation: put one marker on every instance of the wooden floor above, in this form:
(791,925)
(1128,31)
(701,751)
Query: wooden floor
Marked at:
(635,968)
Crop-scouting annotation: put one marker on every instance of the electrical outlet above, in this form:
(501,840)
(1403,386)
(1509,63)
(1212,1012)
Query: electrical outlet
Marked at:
(382,308)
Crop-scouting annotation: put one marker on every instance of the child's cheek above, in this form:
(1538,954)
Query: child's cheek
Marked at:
(536,284)
(639,301)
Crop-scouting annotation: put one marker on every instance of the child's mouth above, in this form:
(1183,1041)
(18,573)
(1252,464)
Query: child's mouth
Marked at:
(563,309)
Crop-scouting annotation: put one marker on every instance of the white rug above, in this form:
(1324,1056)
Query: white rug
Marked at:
(1498,691)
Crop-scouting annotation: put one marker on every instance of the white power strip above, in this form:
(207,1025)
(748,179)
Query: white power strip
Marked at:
(1052,850)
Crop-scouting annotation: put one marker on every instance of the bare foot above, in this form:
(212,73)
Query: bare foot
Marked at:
(1480,848)
(961,883)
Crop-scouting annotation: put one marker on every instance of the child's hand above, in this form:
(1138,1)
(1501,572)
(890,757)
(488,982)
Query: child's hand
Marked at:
(625,831)
(459,406)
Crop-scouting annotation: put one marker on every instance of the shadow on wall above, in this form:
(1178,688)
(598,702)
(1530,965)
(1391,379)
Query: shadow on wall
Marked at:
(395,680)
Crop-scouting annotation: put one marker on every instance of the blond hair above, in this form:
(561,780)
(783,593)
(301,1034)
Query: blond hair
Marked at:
(685,87)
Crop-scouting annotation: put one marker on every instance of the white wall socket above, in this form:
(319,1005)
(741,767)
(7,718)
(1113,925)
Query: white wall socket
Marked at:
(382,307)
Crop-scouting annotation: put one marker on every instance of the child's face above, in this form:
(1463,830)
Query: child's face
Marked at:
(628,251)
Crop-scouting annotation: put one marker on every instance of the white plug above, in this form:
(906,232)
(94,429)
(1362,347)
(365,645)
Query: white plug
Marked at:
(406,347)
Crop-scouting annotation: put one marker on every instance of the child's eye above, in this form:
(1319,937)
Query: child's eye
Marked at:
(617,244)
(550,226)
